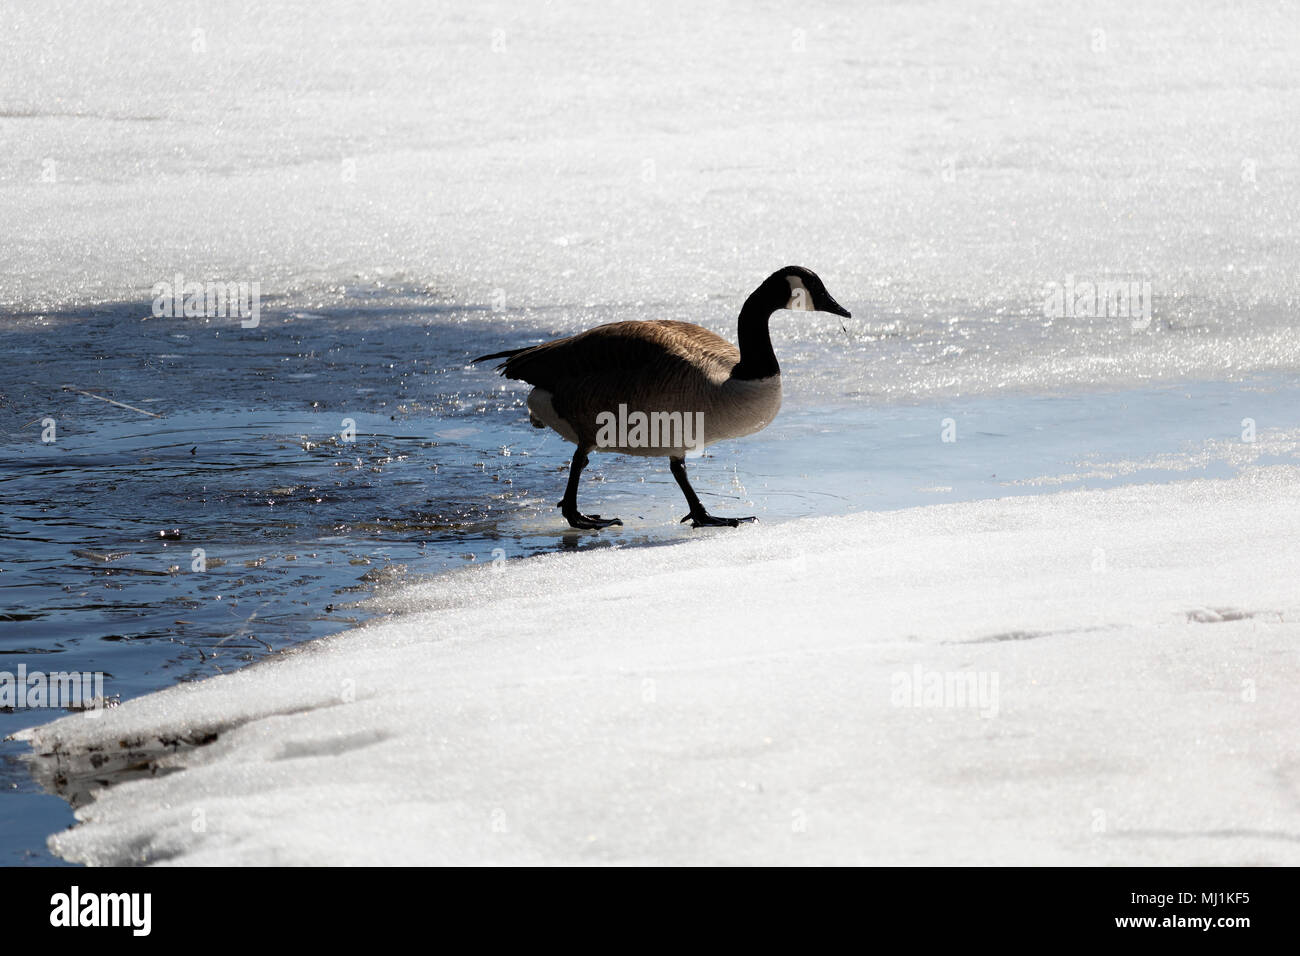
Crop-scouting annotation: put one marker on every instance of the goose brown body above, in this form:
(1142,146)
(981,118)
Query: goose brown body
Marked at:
(653,367)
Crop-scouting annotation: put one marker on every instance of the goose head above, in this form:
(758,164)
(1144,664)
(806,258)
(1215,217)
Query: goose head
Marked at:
(799,289)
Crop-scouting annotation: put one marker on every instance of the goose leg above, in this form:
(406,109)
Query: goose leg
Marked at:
(569,506)
(699,518)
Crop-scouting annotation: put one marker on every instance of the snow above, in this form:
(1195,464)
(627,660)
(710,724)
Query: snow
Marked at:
(737,700)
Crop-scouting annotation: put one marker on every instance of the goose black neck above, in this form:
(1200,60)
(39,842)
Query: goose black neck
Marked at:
(757,360)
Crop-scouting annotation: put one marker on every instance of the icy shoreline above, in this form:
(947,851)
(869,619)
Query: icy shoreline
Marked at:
(745,699)
(401,188)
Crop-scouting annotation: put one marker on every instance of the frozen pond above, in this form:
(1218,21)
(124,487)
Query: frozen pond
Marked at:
(1068,239)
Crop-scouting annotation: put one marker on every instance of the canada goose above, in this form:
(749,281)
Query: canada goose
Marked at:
(685,387)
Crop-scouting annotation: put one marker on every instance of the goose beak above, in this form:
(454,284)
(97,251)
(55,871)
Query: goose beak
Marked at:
(833,307)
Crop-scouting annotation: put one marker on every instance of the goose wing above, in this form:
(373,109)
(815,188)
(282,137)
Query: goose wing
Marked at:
(657,350)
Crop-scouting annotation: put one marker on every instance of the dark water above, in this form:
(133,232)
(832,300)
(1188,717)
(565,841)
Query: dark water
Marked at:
(297,513)
(300,514)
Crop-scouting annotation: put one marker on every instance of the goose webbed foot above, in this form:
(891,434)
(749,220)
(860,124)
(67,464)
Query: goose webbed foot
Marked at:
(699,517)
(584,522)
(702,519)
(568,505)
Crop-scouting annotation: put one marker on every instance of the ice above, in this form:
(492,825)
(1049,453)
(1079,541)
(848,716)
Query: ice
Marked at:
(939,165)
(734,700)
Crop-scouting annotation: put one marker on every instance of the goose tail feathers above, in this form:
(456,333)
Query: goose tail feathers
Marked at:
(508,353)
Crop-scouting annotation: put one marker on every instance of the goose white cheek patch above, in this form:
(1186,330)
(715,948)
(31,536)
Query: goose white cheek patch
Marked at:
(800,297)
